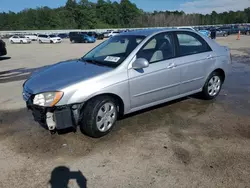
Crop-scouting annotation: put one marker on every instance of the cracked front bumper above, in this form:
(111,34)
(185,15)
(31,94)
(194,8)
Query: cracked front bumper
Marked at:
(56,118)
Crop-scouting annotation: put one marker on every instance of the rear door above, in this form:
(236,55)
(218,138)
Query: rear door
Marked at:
(195,58)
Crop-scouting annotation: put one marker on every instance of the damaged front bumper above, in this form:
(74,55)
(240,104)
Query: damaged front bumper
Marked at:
(57,118)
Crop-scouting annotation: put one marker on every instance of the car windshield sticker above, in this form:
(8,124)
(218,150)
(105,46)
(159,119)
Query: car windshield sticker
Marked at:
(112,59)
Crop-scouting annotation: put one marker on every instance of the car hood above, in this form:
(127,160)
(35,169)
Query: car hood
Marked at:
(63,74)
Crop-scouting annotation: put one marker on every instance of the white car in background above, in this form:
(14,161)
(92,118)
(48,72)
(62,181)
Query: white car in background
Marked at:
(32,37)
(19,39)
(49,39)
(113,33)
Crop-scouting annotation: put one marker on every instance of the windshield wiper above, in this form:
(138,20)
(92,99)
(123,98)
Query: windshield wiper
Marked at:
(93,61)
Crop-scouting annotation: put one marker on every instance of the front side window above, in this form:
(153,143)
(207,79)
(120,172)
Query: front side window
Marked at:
(114,51)
(191,43)
(158,48)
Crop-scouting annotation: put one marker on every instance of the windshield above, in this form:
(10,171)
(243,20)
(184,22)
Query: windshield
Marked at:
(52,36)
(113,51)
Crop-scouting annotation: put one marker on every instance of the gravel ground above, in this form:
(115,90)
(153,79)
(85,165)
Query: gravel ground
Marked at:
(185,143)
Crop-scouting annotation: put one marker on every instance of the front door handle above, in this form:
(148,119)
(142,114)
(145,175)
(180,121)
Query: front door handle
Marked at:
(209,56)
(171,65)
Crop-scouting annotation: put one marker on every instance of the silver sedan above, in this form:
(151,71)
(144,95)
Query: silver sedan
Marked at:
(129,72)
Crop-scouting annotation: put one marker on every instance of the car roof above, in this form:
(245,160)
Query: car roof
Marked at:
(146,32)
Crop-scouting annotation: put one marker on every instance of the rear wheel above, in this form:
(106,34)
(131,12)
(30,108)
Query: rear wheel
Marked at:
(212,86)
(99,116)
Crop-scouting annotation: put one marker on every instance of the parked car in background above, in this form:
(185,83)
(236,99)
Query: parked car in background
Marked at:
(63,35)
(20,39)
(127,73)
(49,39)
(245,31)
(206,33)
(81,37)
(32,37)
(221,33)
(233,29)
(113,33)
(106,34)
(3,50)
(96,35)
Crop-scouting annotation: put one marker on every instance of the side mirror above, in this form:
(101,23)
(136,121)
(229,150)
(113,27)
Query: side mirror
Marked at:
(140,63)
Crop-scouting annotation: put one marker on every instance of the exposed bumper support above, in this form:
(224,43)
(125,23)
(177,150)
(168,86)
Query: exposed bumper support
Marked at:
(57,118)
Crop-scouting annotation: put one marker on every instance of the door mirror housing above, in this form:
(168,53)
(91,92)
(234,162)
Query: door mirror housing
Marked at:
(140,63)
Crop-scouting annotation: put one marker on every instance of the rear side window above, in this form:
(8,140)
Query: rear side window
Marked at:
(191,43)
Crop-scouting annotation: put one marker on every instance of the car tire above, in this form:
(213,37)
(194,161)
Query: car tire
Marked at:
(212,87)
(21,42)
(51,42)
(225,35)
(72,41)
(40,41)
(99,116)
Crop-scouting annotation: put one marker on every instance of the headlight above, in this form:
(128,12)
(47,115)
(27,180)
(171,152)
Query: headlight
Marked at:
(47,99)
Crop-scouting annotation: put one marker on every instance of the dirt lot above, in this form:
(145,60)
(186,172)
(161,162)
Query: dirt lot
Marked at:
(185,143)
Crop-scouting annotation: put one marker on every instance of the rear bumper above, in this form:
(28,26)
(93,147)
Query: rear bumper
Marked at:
(56,118)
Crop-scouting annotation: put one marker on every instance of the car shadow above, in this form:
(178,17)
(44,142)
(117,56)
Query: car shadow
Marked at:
(61,176)
(194,96)
(4,58)
(154,107)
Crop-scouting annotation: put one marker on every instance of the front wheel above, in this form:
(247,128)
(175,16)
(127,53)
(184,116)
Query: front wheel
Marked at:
(99,116)
(212,86)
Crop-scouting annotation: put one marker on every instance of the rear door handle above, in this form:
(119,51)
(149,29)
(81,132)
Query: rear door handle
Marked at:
(209,56)
(171,65)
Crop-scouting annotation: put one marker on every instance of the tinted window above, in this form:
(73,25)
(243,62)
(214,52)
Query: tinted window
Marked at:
(158,48)
(191,43)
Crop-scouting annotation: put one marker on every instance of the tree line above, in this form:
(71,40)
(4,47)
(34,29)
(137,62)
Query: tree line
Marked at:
(84,14)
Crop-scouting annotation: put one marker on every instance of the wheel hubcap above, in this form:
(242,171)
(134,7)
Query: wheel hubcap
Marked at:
(106,117)
(214,85)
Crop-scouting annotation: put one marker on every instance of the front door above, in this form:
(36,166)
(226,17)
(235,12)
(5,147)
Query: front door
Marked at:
(161,79)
